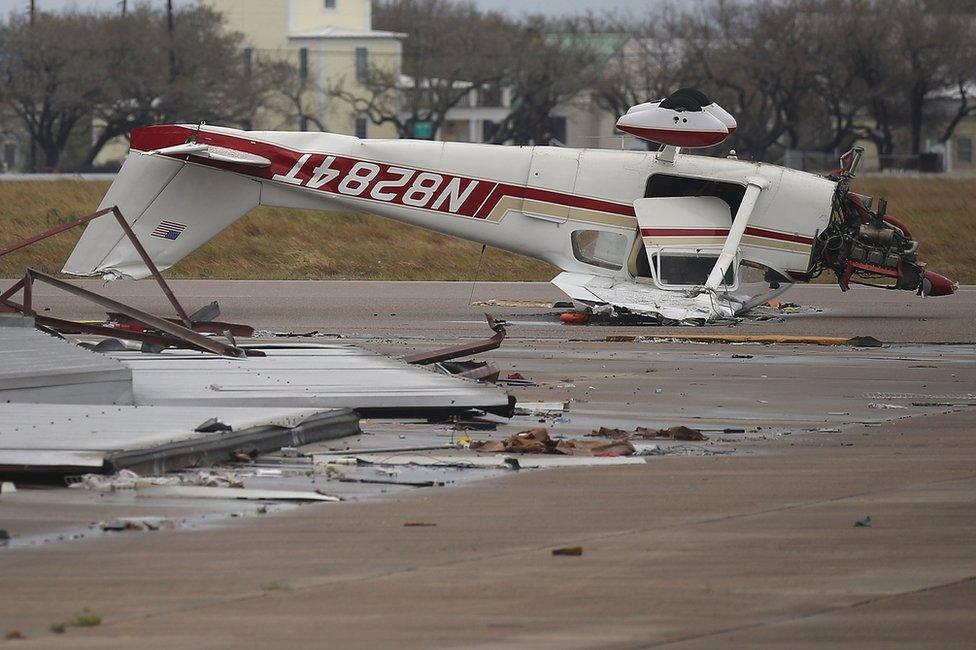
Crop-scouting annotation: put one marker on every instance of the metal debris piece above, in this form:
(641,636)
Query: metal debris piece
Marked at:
(463,349)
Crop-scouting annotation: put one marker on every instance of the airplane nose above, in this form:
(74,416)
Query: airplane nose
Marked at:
(934,284)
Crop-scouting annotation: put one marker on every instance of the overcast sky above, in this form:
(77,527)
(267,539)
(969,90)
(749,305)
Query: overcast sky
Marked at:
(515,7)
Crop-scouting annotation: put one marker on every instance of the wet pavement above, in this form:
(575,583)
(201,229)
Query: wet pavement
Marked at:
(786,425)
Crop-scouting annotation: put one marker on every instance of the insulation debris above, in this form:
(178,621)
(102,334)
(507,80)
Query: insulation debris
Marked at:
(129,480)
(537,441)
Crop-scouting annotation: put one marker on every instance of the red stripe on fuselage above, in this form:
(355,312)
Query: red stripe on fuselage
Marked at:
(723,232)
(479,205)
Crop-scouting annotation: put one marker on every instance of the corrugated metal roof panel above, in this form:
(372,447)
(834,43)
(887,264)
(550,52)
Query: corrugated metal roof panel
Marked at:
(30,359)
(327,375)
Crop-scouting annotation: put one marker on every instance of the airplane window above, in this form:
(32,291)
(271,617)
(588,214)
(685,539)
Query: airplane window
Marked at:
(599,248)
(689,270)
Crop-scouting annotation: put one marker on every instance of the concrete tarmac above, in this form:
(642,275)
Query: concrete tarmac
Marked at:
(754,548)
(410,308)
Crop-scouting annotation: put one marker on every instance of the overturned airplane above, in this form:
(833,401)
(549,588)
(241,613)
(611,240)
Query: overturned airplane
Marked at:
(659,234)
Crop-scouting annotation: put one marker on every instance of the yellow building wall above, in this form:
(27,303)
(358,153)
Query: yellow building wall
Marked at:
(335,65)
(312,14)
(264,23)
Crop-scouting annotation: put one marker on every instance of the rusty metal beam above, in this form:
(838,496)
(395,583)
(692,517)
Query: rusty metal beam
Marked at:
(127,229)
(57,230)
(462,349)
(151,266)
(74,327)
(4,297)
(160,324)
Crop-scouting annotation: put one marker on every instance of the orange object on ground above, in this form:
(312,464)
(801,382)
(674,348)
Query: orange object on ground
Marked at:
(575,317)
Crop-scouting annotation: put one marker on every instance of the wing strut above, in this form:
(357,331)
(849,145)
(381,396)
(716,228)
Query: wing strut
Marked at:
(739,223)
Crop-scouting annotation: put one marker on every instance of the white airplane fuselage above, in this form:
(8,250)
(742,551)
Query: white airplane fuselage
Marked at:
(527,200)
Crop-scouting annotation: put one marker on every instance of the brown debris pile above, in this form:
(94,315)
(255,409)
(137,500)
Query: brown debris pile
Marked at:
(674,433)
(537,441)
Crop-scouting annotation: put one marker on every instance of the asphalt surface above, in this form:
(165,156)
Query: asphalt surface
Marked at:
(747,539)
(369,309)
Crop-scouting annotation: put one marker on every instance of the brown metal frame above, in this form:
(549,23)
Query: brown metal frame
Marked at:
(170,333)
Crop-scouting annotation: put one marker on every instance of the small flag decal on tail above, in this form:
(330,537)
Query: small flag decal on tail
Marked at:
(168,229)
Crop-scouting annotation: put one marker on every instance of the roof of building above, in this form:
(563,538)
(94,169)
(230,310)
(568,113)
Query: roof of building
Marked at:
(338,32)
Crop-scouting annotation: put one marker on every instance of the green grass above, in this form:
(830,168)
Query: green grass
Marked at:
(269,243)
(941,213)
(285,244)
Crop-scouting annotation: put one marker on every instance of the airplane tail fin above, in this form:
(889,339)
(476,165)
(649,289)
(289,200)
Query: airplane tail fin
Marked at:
(173,208)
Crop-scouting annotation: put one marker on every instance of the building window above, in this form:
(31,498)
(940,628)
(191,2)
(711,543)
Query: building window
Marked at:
(557,128)
(362,63)
(362,128)
(248,62)
(330,4)
(303,63)
(489,130)
(9,156)
(964,150)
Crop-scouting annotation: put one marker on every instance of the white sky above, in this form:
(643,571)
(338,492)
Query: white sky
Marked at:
(514,7)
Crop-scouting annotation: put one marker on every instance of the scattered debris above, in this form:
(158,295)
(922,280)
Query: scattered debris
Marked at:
(419,524)
(672,433)
(540,409)
(502,302)
(7,487)
(516,379)
(476,461)
(14,635)
(4,537)
(865,342)
(572,551)
(742,356)
(213,425)
(885,406)
(274,585)
(129,480)
(478,370)
(138,523)
(537,441)
(379,481)
(863,523)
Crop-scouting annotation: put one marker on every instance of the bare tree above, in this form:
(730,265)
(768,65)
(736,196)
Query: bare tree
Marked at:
(51,76)
(452,49)
(549,64)
(647,64)
(202,78)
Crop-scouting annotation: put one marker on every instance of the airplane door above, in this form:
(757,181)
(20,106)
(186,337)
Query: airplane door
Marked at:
(683,237)
(551,175)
